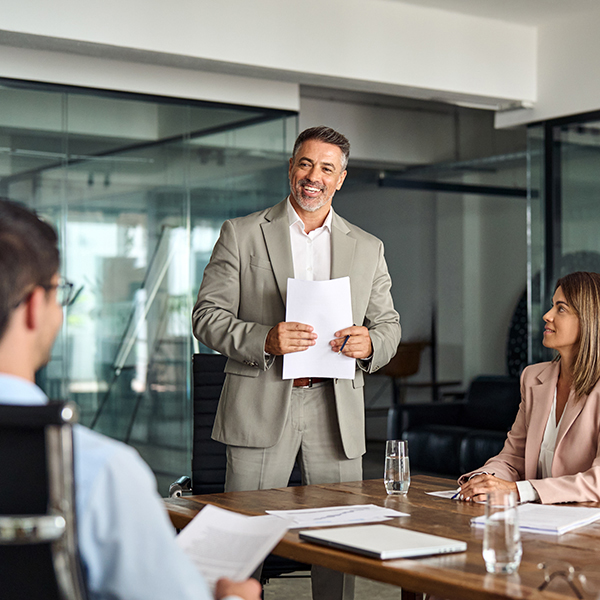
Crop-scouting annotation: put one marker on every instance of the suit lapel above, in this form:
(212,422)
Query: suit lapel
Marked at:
(342,257)
(277,239)
(571,412)
(542,398)
(342,248)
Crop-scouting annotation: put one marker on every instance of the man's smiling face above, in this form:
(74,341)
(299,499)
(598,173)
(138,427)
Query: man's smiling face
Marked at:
(315,175)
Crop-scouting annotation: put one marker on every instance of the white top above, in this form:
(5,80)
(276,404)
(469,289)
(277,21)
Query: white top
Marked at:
(126,540)
(311,252)
(527,492)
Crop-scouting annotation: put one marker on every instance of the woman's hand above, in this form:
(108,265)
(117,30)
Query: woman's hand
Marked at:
(477,487)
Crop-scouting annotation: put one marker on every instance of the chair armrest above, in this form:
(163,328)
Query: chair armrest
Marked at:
(177,488)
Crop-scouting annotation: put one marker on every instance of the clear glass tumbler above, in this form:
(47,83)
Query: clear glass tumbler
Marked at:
(397,470)
(502,548)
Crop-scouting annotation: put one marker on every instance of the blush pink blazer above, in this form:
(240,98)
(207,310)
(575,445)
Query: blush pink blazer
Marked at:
(576,462)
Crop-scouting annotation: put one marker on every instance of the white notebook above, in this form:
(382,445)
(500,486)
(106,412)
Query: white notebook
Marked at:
(383,541)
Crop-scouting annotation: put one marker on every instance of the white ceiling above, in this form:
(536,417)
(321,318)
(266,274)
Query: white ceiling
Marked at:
(526,12)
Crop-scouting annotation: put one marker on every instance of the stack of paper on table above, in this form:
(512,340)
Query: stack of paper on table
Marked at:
(337,515)
(552,519)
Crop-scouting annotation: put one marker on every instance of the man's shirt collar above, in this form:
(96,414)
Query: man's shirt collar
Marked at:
(295,218)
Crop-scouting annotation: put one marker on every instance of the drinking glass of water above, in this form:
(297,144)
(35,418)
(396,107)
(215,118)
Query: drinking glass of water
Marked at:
(502,548)
(397,470)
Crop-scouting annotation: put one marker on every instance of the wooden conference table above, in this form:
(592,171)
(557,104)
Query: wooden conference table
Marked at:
(454,576)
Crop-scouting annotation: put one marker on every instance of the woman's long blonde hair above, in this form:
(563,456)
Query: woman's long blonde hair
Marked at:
(582,292)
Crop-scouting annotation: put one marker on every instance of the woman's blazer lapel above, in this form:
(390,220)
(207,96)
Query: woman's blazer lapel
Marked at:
(542,395)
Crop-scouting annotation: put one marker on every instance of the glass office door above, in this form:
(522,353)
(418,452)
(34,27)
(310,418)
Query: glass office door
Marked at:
(138,189)
(564,193)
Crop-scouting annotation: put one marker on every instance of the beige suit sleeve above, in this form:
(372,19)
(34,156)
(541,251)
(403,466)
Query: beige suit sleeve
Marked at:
(381,319)
(214,318)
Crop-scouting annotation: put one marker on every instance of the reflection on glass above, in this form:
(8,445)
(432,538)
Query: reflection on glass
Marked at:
(138,191)
(571,239)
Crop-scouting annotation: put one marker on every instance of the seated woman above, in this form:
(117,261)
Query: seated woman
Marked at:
(552,452)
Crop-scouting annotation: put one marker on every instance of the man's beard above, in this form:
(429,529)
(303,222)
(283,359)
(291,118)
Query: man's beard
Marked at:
(309,204)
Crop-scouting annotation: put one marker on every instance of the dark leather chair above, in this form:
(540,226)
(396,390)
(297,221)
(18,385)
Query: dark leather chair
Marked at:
(451,438)
(38,544)
(208,457)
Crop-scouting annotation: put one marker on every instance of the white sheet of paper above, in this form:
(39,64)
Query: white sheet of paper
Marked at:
(445,494)
(222,543)
(549,518)
(327,306)
(338,515)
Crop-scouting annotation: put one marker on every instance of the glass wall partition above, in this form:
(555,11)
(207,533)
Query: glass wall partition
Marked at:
(138,188)
(564,192)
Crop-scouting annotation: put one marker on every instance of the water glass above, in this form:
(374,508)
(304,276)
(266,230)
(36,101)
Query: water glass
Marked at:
(502,548)
(397,470)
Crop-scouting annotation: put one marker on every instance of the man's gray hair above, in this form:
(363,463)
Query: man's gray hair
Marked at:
(328,136)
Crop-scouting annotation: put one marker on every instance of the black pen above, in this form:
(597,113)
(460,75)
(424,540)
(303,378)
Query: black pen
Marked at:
(340,350)
(458,490)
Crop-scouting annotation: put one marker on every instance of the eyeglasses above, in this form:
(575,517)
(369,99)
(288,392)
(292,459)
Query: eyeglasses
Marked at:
(64,292)
(584,583)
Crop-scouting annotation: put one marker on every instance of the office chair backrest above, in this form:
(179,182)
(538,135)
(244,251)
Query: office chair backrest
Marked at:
(209,460)
(208,457)
(492,402)
(38,544)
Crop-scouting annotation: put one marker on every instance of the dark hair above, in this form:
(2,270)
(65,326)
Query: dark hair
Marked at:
(582,292)
(28,256)
(328,136)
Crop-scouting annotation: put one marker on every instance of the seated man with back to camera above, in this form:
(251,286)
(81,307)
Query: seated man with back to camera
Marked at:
(126,541)
(552,453)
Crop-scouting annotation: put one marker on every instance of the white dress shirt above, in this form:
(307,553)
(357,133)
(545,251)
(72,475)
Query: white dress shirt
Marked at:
(311,252)
(126,540)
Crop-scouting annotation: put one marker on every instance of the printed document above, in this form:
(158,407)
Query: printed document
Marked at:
(338,515)
(222,543)
(327,306)
(550,518)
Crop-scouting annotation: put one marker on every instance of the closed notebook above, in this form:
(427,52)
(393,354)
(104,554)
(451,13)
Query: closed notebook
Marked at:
(383,541)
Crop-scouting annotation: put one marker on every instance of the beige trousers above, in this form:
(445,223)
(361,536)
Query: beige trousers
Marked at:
(311,434)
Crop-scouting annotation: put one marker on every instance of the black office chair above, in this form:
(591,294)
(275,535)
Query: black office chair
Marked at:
(209,460)
(39,558)
(452,438)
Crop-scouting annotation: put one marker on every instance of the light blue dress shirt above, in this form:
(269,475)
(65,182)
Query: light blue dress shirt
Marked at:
(126,540)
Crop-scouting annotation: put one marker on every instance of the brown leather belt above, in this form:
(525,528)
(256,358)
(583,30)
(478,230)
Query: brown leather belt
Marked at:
(307,382)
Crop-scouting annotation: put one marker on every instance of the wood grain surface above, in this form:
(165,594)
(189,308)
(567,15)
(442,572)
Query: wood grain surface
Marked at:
(452,576)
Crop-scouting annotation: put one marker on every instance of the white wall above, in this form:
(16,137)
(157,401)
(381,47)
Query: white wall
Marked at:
(385,135)
(103,73)
(568,55)
(391,48)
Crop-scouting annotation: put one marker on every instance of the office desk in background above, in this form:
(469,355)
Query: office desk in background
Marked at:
(459,576)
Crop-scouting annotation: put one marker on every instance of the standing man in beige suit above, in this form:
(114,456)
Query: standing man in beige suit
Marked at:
(267,422)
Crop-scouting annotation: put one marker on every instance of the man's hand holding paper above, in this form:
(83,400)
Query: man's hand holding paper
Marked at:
(289,337)
(358,344)
(327,307)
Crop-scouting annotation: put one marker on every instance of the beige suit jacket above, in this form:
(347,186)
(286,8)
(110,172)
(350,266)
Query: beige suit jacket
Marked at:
(576,462)
(242,297)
